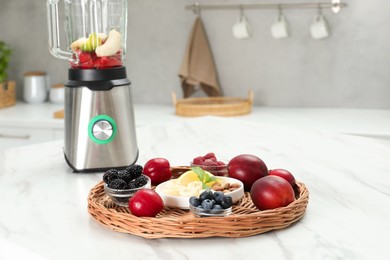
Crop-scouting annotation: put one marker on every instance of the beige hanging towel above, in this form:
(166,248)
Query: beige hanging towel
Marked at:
(198,66)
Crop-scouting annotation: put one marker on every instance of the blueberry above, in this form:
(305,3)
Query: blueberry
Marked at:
(110,175)
(217,209)
(207,194)
(227,202)
(207,204)
(194,201)
(217,196)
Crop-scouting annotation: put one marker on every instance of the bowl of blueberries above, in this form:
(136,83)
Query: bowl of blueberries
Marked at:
(211,204)
(121,185)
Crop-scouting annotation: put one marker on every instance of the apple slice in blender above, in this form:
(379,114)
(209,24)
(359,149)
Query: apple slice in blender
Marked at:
(111,46)
(89,44)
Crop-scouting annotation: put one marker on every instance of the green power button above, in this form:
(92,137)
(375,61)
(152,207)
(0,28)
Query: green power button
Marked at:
(102,129)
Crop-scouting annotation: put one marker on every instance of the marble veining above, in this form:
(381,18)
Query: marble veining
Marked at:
(44,204)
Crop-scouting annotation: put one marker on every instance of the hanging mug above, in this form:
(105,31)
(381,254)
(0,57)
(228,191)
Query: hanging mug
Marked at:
(280,29)
(319,29)
(242,28)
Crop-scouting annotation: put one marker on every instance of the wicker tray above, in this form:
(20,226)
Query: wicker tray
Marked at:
(244,221)
(216,106)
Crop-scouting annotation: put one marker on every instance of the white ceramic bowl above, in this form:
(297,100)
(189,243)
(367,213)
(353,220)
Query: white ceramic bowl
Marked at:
(182,202)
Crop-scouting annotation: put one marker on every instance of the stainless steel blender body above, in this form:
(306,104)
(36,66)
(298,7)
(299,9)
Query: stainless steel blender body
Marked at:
(99,122)
(99,116)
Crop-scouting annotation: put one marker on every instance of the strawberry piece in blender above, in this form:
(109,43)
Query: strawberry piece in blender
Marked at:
(85,61)
(107,62)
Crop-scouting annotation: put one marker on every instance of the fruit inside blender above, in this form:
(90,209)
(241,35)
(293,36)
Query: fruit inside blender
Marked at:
(98,51)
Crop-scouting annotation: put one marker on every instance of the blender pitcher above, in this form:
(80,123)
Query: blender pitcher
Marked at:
(99,115)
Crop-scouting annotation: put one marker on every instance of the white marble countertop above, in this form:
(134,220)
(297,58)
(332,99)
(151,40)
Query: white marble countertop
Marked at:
(44,204)
(370,122)
(31,115)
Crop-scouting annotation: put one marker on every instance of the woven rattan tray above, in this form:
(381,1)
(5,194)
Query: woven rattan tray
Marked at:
(215,106)
(244,221)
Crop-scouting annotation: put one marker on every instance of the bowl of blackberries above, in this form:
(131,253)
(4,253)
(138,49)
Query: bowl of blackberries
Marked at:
(211,204)
(121,185)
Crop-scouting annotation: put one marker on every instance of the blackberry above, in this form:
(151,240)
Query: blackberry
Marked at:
(131,185)
(117,184)
(137,182)
(125,175)
(110,175)
(140,181)
(135,170)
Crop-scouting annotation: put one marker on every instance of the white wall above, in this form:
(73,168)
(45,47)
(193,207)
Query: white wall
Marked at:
(350,69)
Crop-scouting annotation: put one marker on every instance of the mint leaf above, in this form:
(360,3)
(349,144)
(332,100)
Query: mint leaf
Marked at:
(199,171)
(206,178)
(203,176)
(212,178)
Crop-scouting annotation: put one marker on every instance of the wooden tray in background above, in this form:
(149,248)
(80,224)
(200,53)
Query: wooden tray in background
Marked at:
(216,106)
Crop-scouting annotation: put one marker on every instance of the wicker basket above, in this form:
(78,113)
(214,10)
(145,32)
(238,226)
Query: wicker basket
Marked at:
(217,106)
(7,94)
(244,221)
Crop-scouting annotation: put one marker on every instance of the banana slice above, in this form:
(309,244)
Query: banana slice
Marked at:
(198,185)
(188,192)
(102,36)
(76,44)
(171,192)
(111,45)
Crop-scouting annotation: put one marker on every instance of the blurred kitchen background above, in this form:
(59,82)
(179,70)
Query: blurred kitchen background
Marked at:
(350,69)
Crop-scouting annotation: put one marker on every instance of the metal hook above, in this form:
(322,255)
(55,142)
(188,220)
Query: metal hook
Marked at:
(279,11)
(196,8)
(319,9)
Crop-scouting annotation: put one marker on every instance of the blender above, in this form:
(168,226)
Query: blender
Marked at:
(99,114)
